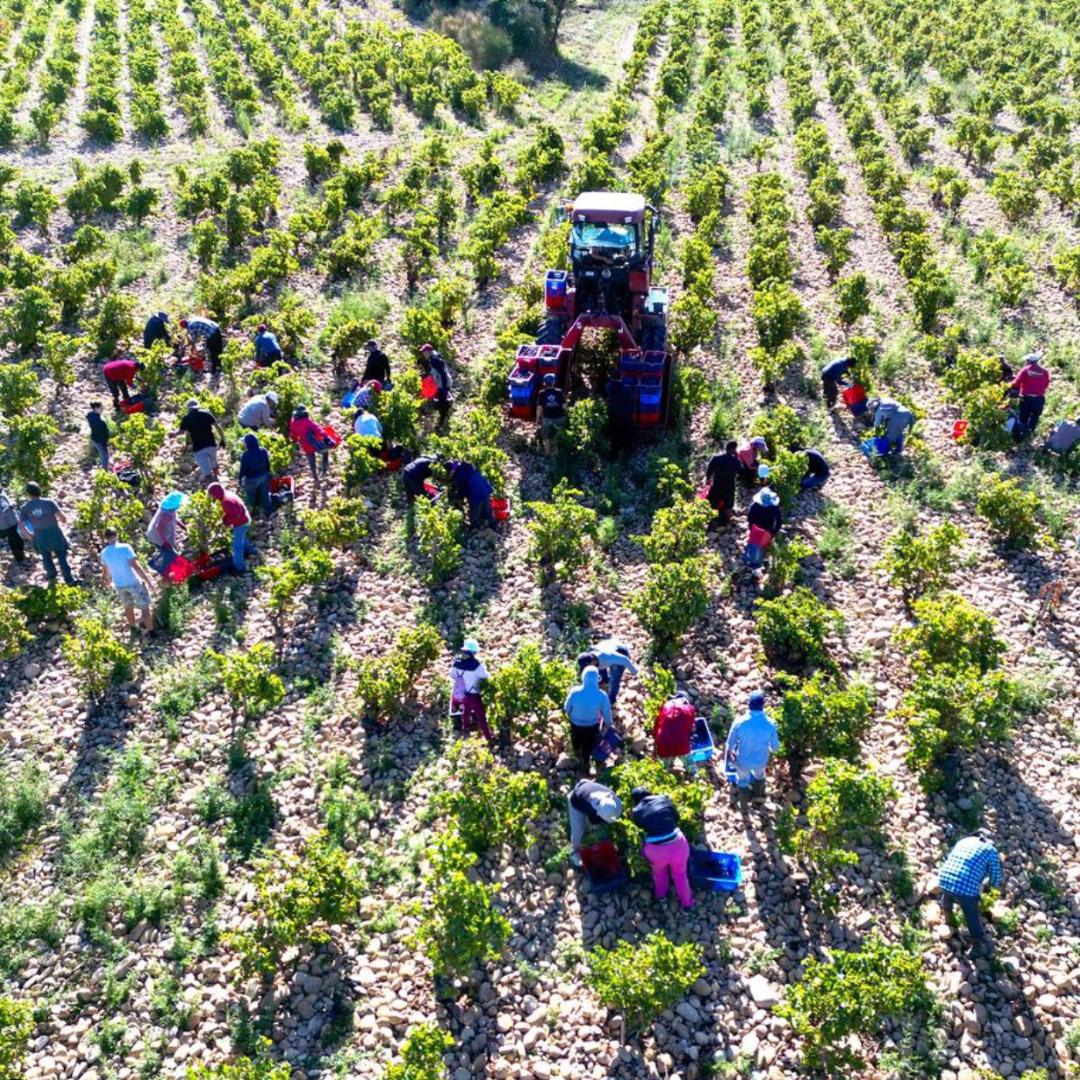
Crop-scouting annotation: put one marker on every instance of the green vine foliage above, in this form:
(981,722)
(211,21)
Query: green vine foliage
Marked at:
(490,804)
(1010,509)
(853,995)
(16,1027)
(340,524)
(845,806)
(384,685)
(440,531)
(459,927)
(641,981)
(820,717)
(794,629)
(97,656)
(673,598)
(249,680)
(421,1056)
(922,562)
(522,693)
(110,506)
(299,900)
(560,530)
(14,633)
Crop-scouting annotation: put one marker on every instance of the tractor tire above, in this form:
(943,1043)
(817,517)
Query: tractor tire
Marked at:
(550,332)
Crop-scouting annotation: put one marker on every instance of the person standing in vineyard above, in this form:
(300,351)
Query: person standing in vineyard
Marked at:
(255,475)
(235,514)
(589,711)
(123,571)
(437,369)
(99,433)
(40,520)
(376,366)
(666,849)
(206,330)
(9,528)
(267,349)
(720,475)
(156,329)
(466,677)
(1031,384)
(970,862)
(550,410)
(751,742)
(831,375)
(312,440)
(200,427)
(119,374)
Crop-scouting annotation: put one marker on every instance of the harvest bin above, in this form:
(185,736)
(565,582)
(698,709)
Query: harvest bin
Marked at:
(719,871)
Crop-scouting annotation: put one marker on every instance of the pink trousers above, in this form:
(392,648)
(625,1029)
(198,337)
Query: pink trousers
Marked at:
(670,858)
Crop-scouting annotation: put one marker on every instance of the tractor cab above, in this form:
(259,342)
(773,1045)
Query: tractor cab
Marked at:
(607,290)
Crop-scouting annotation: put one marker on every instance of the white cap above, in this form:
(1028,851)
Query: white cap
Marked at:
(272,395)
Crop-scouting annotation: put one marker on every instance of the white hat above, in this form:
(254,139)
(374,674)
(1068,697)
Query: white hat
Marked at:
(471,645)
(272,395)
(609,807)
(769,498)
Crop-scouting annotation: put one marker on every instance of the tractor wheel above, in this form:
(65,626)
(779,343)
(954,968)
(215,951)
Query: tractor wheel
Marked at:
(550,333)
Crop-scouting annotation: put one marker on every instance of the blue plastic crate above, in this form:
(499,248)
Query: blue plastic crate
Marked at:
(720,871)
(702,744)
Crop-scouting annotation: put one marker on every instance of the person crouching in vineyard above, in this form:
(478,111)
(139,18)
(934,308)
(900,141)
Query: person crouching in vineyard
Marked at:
(666,849)
(235,515)
(466,678)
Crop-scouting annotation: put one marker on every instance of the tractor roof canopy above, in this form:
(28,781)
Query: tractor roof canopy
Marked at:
(608,206)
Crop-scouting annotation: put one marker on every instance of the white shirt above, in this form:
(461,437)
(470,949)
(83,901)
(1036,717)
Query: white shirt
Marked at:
(256,413)
(116,558)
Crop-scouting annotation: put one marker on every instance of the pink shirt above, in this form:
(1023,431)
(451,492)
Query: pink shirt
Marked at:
(1032,381)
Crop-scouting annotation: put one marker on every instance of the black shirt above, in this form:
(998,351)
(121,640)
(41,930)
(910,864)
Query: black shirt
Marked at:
(155,330)
(656,816)
(765,517)
(199,425)
(553,401)
(816,463)
(377,367)
(723,470)
(99,430)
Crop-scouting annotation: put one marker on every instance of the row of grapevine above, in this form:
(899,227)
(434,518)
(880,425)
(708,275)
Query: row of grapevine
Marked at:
(147,111)
(233,84)
(56,81)
(16,79)
(265,64)
(101,118)
(188,85)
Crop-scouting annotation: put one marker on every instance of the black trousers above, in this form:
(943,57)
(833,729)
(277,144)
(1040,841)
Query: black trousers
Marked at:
(583,739)
(15,542)
(118,389)
(215,345)
(1031,408)
(831,390)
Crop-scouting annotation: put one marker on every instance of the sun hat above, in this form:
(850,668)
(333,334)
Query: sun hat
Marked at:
(272,396)
(471,645)
(769,498)
(173,501)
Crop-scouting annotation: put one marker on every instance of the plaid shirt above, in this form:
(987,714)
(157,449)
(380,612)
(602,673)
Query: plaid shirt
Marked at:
(967,864)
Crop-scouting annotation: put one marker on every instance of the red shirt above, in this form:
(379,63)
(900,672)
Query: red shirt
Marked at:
(234,511)
(120,371)
(673,729)
(307,434)
(1032,381)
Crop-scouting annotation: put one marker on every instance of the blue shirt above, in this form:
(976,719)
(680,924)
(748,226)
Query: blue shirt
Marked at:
(836,369)
(965,867)
(752,740)
(265,344)
(588,705)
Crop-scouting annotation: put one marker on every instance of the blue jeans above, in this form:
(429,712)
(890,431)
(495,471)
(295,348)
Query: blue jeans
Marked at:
(810,482)
(50,567)
(102,451)
(480,513)
(257,493)
(614,675)
(969,905)
(239,546)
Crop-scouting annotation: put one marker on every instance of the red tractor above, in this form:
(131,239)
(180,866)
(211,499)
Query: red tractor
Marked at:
(609,289)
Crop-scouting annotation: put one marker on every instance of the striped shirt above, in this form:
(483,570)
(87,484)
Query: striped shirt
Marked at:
(965,867)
